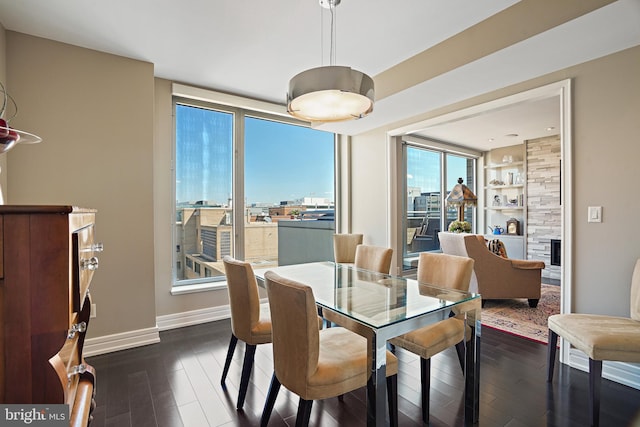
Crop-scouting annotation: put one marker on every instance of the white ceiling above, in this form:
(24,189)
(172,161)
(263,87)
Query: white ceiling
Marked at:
(496,128)
(252,48)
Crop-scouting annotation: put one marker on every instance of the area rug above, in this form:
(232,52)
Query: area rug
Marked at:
(517,318)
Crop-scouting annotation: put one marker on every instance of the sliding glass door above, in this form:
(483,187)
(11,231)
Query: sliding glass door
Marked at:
(430,174)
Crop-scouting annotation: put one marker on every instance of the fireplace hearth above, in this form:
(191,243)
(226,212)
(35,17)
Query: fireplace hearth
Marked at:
(555,251)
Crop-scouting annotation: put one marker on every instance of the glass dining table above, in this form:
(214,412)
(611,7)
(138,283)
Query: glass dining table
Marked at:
(380,307)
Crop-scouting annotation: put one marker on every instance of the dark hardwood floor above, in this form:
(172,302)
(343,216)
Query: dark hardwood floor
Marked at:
(177,383)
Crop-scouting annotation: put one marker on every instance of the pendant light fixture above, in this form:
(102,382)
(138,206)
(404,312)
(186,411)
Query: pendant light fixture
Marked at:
(330,93)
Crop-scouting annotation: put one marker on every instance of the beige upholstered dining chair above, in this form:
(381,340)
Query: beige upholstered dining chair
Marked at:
(601,338)
(250,322)
(447,271)
(344,247)
(315,364)
(373,258)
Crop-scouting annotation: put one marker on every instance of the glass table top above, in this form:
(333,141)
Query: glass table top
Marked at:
(372,298)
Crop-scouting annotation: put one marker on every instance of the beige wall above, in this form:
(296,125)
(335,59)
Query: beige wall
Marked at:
(369,188)
(606,107)
(94,112)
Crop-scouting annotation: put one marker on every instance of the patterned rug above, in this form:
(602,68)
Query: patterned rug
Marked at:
(517,318)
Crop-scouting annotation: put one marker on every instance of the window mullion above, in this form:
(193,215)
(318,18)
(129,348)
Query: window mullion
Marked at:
(238,185)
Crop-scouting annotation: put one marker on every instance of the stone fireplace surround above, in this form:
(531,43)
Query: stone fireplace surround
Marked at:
(543,202)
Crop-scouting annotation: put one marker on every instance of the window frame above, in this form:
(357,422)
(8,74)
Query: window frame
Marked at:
(240,108)
(443,149)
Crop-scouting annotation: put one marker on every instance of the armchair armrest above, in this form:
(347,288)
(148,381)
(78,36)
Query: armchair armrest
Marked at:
(522,264)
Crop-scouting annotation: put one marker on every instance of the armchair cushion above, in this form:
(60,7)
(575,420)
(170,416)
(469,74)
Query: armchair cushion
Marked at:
(497,247)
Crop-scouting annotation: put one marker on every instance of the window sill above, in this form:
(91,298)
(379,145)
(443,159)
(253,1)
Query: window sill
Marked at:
(200,287)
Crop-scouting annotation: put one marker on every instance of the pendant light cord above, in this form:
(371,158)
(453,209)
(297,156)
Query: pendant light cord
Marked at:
(332,54)
(332,43)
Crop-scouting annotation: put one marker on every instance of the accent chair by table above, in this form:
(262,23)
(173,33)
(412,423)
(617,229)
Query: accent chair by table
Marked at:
(601,338)
(344,247)
(373,258)
(250,321)
(315,364)
(446,271)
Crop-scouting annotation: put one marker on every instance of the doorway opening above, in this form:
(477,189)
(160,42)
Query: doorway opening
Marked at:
(559,93)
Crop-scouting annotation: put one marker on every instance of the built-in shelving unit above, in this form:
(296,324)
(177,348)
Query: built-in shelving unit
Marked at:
(506,196)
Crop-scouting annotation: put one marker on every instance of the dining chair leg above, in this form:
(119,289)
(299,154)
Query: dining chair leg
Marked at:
(552,346)
(249,355)
(425,385)
(461,349)
(304,412)
(232,347)
(271,400)
(392,399)
(595,381)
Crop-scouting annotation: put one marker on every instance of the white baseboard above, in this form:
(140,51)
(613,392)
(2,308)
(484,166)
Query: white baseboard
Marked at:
(121,341)
(194,317)
(623,373)
(138,338)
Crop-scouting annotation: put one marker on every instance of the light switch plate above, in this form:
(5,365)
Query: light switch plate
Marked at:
(594,214)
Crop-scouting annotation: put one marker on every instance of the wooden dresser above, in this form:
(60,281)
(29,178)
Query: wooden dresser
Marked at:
(47,259)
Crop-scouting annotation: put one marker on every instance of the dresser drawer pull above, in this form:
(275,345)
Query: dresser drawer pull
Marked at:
(89,264)
(97,247)
(76,327)
(78,369)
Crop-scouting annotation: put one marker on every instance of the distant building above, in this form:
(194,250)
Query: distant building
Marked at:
(205,236)
(204,233)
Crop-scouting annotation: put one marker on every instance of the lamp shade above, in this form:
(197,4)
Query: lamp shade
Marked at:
(461,196)
(330,94)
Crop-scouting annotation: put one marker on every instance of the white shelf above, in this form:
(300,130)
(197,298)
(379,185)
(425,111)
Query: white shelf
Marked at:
(513,176)
(504,208)
(503,187)
(505,165)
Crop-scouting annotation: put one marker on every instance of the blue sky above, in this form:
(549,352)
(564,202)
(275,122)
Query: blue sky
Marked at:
(282,162)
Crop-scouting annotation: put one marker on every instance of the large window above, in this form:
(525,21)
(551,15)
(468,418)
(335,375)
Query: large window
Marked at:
(248,185)
(431,173)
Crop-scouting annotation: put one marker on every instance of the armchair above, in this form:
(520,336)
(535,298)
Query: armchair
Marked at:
(495,277)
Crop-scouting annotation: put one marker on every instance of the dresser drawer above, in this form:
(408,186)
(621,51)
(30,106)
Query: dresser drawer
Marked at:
(47,259)
(69,364)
